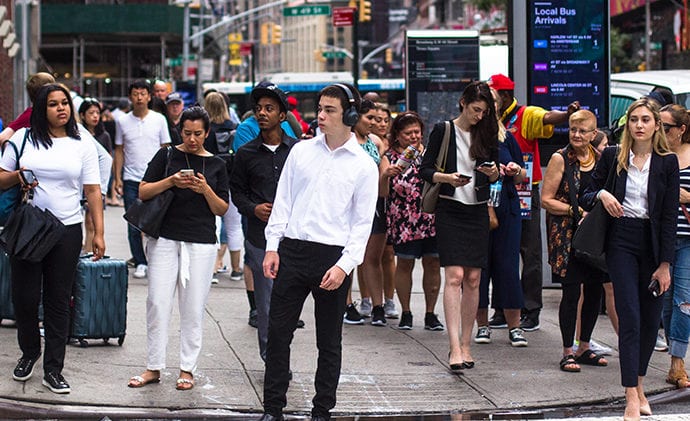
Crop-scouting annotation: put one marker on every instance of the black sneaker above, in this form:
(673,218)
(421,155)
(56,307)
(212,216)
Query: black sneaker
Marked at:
(498,321)
(253,319)
(517,339)
(405,321)
(378,316)
(24,369)
(530,323)
(431,322)
(352,316)
(56,383)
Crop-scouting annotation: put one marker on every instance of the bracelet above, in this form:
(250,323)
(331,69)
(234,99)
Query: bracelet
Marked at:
(570,211)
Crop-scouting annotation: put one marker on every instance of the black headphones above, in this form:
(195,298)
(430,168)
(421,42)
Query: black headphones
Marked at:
(351,115)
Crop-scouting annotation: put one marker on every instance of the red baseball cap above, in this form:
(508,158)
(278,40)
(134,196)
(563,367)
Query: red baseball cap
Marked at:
(501,82)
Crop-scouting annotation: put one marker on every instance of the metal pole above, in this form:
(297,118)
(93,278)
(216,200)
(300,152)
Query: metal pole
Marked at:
(185,43)
(200,52)
(25,48)
(355,51)
(162,75)
(648,35)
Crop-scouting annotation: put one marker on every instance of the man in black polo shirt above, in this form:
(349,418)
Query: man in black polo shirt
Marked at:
(253,184)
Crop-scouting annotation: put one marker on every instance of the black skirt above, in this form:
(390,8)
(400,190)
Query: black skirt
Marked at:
(462,233)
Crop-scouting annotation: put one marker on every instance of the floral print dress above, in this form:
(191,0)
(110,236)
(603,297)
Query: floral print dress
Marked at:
(404,218)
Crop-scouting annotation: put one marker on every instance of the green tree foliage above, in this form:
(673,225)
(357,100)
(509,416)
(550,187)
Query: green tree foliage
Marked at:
(621,58)
(486,5)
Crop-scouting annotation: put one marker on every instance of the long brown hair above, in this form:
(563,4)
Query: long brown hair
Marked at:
(484,134)
(659,145)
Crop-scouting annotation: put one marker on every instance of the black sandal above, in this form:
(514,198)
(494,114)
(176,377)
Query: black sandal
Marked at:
(590,358)
(569,360)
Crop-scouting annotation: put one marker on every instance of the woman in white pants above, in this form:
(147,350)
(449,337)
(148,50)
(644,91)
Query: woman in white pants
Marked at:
(182,258)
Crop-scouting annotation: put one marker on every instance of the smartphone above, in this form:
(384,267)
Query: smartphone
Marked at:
(468,177)
(487,164)
(28,177)
(654,288)
(187,172)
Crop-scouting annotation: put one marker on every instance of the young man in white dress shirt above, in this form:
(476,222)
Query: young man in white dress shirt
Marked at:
(316,235)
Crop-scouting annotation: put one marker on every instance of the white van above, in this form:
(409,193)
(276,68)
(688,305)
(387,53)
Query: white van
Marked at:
(677,81)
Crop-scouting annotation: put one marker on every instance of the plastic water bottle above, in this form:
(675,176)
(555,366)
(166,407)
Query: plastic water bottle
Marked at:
(407,158)
(495,193)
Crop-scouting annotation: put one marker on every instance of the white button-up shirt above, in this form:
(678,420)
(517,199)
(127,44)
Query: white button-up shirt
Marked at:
(635,204)
(326,196)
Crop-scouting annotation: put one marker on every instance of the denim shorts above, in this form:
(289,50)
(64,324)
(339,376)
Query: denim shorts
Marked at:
(416,249)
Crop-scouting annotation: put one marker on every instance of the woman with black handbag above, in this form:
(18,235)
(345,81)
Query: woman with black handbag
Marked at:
(567,176)
(182,258)
(641,238)
(63,163)
(462,219)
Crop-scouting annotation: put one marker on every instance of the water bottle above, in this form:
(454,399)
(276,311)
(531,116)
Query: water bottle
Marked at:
(495,193)
(407,157)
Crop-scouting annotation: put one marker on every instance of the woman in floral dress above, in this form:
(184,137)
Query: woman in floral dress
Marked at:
(411,231)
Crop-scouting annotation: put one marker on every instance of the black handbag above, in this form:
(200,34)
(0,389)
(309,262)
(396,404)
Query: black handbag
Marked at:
(147,215)
(30,232)
(430,191)
(589,240)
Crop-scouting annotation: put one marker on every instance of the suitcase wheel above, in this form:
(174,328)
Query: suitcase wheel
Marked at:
(120,340)
(83,343)
(105,340)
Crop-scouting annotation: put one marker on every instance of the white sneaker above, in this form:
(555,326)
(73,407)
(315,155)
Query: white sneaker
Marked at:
(365,307)
(140,271)
(599,349)
(660,345)
(389,309)
(214,280)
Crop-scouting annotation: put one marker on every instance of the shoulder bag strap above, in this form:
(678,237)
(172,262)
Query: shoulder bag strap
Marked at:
(443,153)
(570,179)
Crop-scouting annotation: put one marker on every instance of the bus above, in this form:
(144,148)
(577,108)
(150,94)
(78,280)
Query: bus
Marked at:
(306,86)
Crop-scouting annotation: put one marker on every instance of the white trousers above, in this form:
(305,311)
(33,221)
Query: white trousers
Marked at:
(187,268)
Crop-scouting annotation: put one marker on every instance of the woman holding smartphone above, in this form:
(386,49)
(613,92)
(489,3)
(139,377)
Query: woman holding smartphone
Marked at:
(183,257)
(641,238)
(64,163)
(462,220)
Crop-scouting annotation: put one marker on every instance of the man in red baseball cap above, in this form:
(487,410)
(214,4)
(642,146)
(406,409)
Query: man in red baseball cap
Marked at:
(528,124)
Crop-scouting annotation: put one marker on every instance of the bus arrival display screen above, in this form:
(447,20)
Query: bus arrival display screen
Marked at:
(568,56)
(439,66)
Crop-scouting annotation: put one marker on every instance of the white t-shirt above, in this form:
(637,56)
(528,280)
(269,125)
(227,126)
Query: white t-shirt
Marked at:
(141,139)
(61,171)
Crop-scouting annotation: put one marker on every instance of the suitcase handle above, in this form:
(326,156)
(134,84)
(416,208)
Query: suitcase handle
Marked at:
(106,275)
(90,255)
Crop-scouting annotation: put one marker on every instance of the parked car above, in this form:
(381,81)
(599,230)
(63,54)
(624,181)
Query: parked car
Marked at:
(677,81)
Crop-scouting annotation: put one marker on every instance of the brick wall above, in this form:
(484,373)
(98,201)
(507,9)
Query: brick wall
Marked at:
(7,112)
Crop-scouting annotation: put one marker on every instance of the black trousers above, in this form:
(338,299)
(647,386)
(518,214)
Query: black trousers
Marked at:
(302,266)
(530,250)
(567,311)
(55,277)
(630,259)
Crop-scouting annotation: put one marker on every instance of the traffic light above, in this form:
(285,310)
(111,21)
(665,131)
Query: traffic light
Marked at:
(276,34)
(264,33)
(364,11)
(389,55)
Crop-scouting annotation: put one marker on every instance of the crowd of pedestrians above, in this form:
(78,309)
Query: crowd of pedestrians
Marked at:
(314,205)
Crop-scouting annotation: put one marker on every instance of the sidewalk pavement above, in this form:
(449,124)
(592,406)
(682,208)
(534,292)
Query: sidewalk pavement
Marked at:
(385,371)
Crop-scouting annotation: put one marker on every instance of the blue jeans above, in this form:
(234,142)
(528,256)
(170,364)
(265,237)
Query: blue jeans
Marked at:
(136,245)
(676,313)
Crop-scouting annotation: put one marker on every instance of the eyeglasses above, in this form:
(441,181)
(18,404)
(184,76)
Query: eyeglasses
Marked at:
(576,131)
(668,127)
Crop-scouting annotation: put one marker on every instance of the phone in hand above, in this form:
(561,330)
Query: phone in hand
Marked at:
(187,172)
(654,288)
(467,177)
(487,164)
(28,177)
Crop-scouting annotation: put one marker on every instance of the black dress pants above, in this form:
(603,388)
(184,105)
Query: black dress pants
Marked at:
(55,276)
(302,266)
(630,260)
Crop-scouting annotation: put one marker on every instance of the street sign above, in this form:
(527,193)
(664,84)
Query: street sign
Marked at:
(315,9)
(334,54)
(343,16)
(246,49)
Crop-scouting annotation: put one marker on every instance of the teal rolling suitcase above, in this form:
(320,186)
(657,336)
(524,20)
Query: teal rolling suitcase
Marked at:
(99,300)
